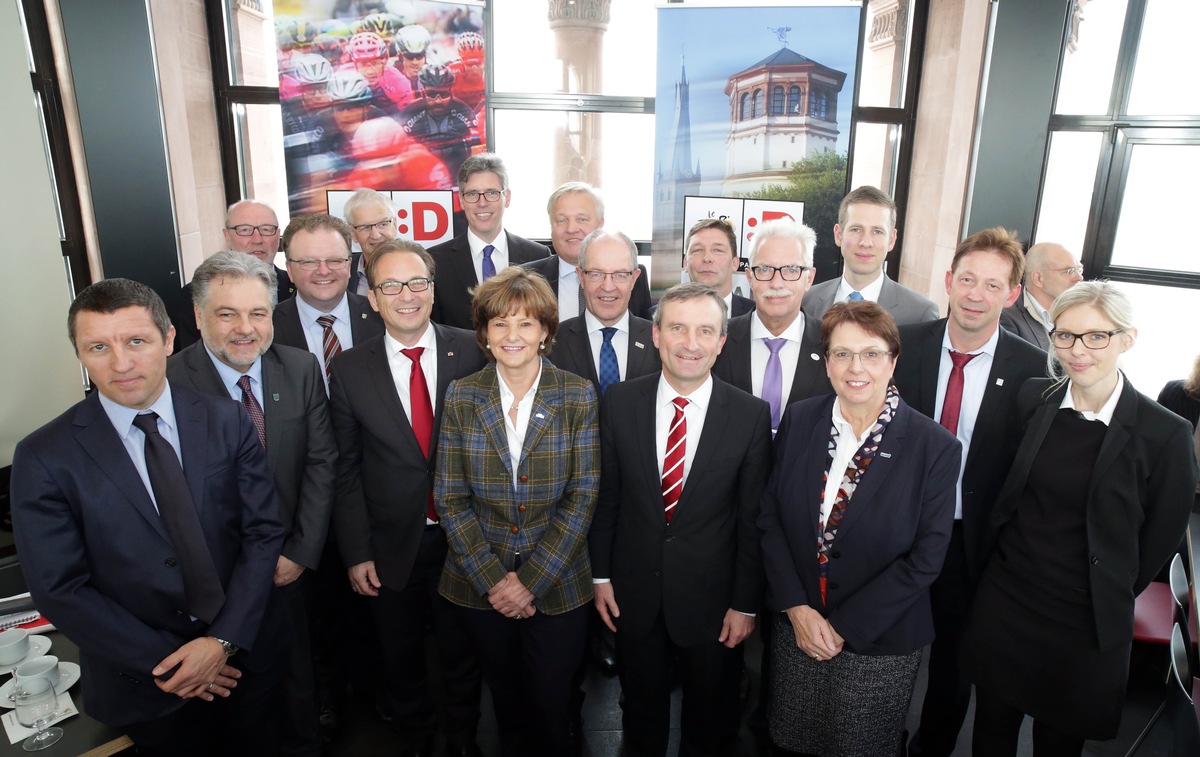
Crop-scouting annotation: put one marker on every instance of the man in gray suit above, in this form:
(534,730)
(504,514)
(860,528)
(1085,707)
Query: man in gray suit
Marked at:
(866,233)
(1050,270)
(284,395)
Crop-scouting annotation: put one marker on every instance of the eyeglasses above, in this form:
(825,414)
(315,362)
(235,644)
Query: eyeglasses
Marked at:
(1073,270)
(618,277)
(414,56)
(247,230)
(472,196)
(1093,340)
(383,225)
(392,288)
(788,272)
(869,358)
(437,95)
(310,264)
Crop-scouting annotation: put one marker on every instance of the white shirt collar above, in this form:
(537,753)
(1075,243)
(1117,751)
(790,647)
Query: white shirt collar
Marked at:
(988,348)
(869,292)
(1105,413)
(593,323)
(792,333)
(427,340)
(566,269)
(309,314)
(477,244)
(121,416)
(701,396)
(507,396)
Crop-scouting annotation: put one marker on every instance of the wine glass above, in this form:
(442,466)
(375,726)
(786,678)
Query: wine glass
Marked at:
(36,706)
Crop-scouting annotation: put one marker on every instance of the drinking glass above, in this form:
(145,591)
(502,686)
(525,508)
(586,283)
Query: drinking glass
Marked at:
(36,705)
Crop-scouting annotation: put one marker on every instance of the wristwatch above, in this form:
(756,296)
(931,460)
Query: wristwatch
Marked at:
(228,646)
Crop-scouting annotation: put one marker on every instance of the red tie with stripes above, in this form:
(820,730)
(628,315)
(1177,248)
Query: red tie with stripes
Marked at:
(672,478)
(330,346)
(422,412)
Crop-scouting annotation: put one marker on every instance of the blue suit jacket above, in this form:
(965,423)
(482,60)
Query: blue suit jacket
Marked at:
(891,542)
(98,560)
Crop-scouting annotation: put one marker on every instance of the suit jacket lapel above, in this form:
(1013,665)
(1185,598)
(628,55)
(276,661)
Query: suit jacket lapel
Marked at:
(385,388)
(739,359)
(577,342)
(492,415)
(192,418)
(712,436)
(641,342)
(813,475)
(931,360)
(546,401)
(876,475)
(999,382)
(645,414)
(274,390)
(1115,437)
(100,440)
(808,371)
(450,354)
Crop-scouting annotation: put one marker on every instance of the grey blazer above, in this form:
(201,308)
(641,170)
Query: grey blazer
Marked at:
(905,305)
(1024,324)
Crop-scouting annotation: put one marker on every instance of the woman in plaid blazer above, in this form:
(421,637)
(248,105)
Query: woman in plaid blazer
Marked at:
(518,472)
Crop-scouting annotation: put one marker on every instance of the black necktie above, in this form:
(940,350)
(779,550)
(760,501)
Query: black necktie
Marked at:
(200,583)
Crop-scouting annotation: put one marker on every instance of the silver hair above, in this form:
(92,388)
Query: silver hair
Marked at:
(363,198)
(785,229)
(692,290)
(603,233)
(575,187)
(236,265)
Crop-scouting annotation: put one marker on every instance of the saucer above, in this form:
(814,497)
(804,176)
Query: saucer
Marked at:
(38,646)
(68,676)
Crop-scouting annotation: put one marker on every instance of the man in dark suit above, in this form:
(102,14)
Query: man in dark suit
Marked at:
(579,348)
(386,405)
(148,529)
(250,227)
(486,248)
(285,397)
(780,274)
(1050,270)
(712,259)
(372,220)
(674,545)
(967,363)
(576,210)
(866,233)
(323,317)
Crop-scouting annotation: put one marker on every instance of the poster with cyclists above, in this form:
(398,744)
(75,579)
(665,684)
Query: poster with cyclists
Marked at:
(386,94)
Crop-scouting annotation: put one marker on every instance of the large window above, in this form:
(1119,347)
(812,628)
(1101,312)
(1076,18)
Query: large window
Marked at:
(1122,153)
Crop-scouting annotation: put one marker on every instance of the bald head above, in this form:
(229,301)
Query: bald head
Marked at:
(1050,270)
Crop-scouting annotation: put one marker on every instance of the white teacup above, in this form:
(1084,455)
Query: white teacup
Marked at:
(45,666)
(14,645)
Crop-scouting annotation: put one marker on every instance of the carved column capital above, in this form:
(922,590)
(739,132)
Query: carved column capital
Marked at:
(592,13)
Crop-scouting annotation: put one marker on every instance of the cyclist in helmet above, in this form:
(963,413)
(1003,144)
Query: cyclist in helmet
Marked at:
(387,158)
(438,121)
(350,100)
(368,54)
(469,85)
(412,46)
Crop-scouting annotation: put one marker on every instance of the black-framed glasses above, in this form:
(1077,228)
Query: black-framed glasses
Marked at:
(618,277)
(383,225)
(312,264)
(1093,340)
(392,288)
(788,272)
(491,194)
(248,229)
(869,358)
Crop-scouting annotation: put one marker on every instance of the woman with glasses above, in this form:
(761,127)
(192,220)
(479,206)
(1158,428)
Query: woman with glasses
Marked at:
(517,476)
(856,520)
(1096,500)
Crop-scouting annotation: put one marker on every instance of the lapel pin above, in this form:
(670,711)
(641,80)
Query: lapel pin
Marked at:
(814,356)
(639,345)
(999,382)
(885,454)
(449,354)
(362,316)
(539,415)
(275,396)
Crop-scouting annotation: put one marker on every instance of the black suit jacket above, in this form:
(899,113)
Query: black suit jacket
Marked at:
(1175,398)
(455,277)
(811,378)
(301,451)
(997,428)
(364,322)
(1021,322)
(99,562)
(1138,501)
(890,544)
(639,299)
(184,320)
(573,350)
(383,478)
(708,559)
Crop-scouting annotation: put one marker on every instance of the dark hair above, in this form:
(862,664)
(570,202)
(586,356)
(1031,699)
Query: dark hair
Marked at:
(999,240)
(868,316)
(692,290)
(394,246)
(111,295)
(515,288)
(312,223)
(714,223)
(867,195)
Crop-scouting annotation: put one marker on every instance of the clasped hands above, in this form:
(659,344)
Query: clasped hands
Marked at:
(814,634)
(202,672)
(511,599)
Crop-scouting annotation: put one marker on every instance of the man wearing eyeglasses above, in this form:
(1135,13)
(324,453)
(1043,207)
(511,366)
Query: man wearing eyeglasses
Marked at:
(372,222)
(774,352)
(1050,270)
(250,227)
(322,317)
(486,248)
(576,210)
(386,403)
(964,371)
(866,233)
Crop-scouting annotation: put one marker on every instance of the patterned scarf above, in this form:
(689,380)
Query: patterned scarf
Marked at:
(854,473)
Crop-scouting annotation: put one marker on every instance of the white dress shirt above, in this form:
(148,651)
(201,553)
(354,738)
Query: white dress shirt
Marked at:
(1105,413)
(568,291)
(870,292)
(1038,312)
(516,431)
(789,355)
(401,366)
(975,381)
(694,413)
(847,444)
(499,254)
(314,334)
(620,340)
